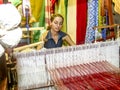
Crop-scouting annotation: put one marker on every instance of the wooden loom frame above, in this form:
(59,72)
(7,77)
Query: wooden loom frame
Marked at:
(41,28)
(108,26)
(35,44)
(31,29)
(18,49)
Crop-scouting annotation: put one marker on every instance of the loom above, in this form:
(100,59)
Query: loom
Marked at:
(83,67)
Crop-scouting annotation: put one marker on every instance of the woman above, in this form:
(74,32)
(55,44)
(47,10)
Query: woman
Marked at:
(54,37)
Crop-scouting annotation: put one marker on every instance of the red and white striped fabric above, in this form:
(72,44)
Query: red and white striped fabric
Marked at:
(47,12)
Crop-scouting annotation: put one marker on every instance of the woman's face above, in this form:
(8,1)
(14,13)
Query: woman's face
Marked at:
(56,24)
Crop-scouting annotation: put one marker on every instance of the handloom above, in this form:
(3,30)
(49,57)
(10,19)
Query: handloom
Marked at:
(82,67)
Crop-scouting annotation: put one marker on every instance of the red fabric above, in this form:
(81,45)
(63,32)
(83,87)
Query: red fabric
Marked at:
(81,21)
(52,5)
(1,1)
(53,2)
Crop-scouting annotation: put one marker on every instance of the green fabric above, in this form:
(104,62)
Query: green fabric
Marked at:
(66,5)
(40,17)
(61,7)
(16,2)
(35,33)
(36,8)
(100,18)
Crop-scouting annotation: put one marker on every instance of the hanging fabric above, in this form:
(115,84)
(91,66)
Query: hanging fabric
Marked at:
(38,11)
(108,6)
(81,21)
(92,20)
(52,9)
(47,12)
(109,21)
(1,1)
(100,18)
(61,7)
(71,19)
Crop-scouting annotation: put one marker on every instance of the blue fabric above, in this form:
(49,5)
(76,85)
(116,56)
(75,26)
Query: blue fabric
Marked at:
(50,43)
(92,20)
(104,33)
(106,23)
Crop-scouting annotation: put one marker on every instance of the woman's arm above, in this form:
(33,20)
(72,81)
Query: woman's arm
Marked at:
(42,39)
(68,39)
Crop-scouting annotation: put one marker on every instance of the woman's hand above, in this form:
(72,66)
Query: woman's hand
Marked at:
(9,50)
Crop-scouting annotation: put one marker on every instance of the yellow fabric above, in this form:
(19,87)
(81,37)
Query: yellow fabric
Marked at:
(60,8)
(99,13)
(100,19)
(37,10)
(71,19)
(117,6)
(36,7)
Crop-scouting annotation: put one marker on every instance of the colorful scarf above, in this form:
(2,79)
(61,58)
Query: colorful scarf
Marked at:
(92,20)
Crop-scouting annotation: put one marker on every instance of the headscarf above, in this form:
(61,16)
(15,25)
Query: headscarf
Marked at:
(10,33)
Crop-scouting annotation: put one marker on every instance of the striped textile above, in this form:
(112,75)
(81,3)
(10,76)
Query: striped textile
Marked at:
(47,12)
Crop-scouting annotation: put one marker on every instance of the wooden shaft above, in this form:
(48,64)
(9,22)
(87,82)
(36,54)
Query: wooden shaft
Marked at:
(106,26)
(26,46)
(33,28)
